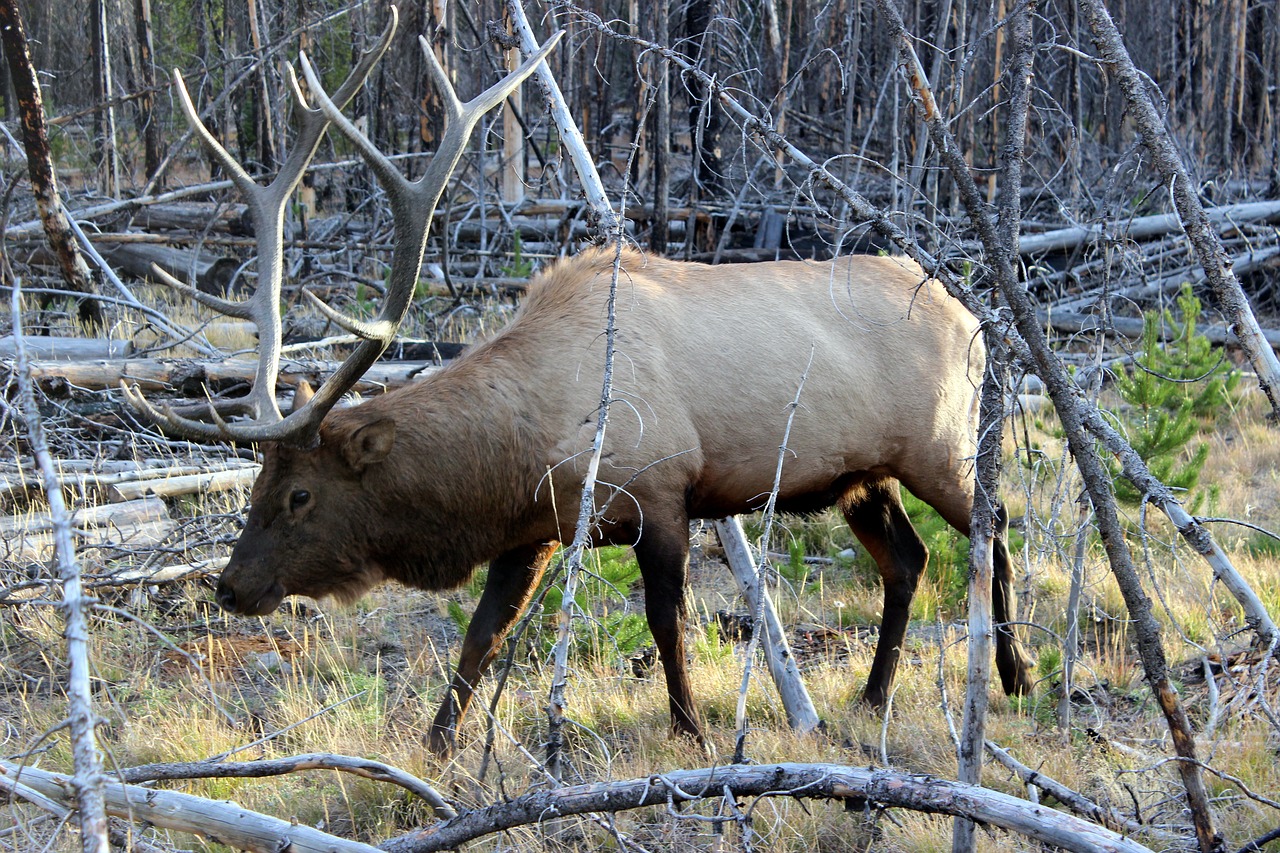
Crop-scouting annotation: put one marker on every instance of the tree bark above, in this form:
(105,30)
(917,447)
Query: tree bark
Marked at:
(661,137)
(155,374)
(704,112)
(857,787)
(86,786)
(147,124)
(801,714)
(513,166)
(991,430)
(264,113)
(228,823)
(44,184)
(104,118)
(1142,227)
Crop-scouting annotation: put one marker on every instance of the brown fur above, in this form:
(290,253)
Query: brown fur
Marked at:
(483,461)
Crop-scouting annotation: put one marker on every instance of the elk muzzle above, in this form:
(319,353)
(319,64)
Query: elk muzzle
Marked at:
(236,595)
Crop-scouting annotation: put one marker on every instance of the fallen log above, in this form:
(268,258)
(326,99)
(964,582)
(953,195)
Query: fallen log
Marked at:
(124,514)
(1143,227)
(188,376)
(136,524)
(224,822)
(169,487)
(66,349)
(195,216)
(856,787)
(163,574)
(1242,263)
(28,589)
(1131,327)
(203,270)
(1078,803)
(28,482)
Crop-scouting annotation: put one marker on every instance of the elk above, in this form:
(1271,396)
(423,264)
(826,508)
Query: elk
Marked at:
(483,461)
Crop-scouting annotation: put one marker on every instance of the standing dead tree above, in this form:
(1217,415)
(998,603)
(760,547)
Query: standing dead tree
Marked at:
(44,183)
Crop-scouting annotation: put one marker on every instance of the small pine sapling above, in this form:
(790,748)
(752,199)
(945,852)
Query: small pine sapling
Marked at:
(1180,384)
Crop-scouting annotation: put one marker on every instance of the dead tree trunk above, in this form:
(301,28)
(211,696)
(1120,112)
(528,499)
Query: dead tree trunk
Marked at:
(147,126)
(264,125)
(661,135)
(704,114)
(44,185)
(104,118)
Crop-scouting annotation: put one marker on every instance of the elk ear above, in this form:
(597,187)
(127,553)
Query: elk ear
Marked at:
(369,444)
(301,395)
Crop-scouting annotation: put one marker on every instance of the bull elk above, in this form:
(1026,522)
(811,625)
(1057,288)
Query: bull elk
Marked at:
(483,460)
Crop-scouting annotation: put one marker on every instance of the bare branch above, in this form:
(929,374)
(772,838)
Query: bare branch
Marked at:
(857,787)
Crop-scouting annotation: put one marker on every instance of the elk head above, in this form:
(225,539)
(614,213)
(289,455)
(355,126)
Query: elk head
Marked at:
(293,441)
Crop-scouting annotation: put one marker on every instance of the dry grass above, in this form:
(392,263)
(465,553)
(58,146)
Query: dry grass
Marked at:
(365,679)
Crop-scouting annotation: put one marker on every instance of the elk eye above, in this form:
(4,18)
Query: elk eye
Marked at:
(299,499)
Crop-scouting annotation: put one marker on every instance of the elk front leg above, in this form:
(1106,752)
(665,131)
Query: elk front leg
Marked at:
(663,555)
(513,577)
(877,518)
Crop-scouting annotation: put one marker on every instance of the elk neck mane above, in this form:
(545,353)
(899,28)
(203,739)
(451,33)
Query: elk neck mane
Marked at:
(467,478)
(455,490)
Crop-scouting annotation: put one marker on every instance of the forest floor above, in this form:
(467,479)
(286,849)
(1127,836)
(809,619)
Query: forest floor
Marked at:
(179,681)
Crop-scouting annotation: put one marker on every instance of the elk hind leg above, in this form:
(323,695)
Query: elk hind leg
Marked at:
(954,502)
(1012,661)
(513,577)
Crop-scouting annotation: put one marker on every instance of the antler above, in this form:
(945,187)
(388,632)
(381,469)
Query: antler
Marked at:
(412,204)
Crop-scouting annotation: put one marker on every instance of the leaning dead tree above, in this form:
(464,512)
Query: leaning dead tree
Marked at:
(86,785)
(44,182)
(1031,347)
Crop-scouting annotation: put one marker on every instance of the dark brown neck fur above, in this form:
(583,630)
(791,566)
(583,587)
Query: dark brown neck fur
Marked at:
(458,489)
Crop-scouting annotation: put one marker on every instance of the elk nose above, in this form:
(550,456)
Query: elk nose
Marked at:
(226,597)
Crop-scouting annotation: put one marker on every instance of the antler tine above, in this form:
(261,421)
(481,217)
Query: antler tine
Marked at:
(440,78)
(314,122)
(208,300)
(369,331)
(266,205)
(368,59)
(239,176)
(464,121)
(412,204)
(377,161)
(197,430)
